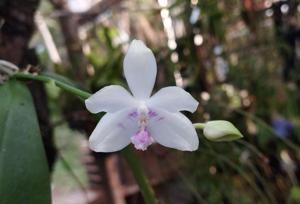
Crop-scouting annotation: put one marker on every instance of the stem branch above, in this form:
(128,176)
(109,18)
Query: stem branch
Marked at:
(137,171)
(199,125)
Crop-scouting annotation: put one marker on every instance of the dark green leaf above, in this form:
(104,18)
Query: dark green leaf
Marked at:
(24,174)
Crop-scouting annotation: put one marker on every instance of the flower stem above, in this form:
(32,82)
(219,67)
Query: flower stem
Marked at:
(43,78)
(137,171)
(127,153)
(199,125)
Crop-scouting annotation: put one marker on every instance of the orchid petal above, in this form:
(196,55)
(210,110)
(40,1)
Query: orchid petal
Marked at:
(173,99)
(173,130)
(140,69)
(109,99)
(113,131)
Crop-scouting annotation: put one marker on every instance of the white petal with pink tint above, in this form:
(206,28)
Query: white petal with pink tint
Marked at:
(173,130)
(110,99)
(173,99)
(113,131)
(140,69)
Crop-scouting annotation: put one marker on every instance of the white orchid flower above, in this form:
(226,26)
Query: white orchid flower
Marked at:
(139,118)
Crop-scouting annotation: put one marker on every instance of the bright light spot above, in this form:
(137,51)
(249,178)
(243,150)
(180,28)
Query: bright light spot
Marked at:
(212,170)
(221,68)
(194,2)
(178,79)
(79,5)
(194,15)
(298,8)
(168,25)
(164,13)
(167,22)
(285,156)
(174,57)
(205,96)
(163,3)
(234,59)
(82,34)
(90,70)
(268,4)
(244,157)
(229,89)
(244,93)
(288,164)
(172,44)
(251,127)
(269,12)
(121,38)
(246,102)
(284,8)
(198,39)
(218,50)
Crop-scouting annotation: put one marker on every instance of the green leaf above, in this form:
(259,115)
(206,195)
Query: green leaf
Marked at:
(295,194)
(24,174)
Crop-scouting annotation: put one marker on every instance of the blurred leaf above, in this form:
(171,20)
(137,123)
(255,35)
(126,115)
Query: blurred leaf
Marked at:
(295,194)
(24,174)
(264,136)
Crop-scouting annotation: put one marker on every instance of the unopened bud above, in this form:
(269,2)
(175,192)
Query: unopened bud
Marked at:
(221,130)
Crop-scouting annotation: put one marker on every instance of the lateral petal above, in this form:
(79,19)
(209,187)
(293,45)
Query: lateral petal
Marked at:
(173,99)
(109,99)
(173,130)
(113,131)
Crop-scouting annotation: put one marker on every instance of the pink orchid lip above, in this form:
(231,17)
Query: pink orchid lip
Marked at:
(142,139)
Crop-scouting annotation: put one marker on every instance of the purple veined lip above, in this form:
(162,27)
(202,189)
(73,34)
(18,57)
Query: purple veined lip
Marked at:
(142,139)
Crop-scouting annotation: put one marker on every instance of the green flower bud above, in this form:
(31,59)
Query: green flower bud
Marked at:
(220,131)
